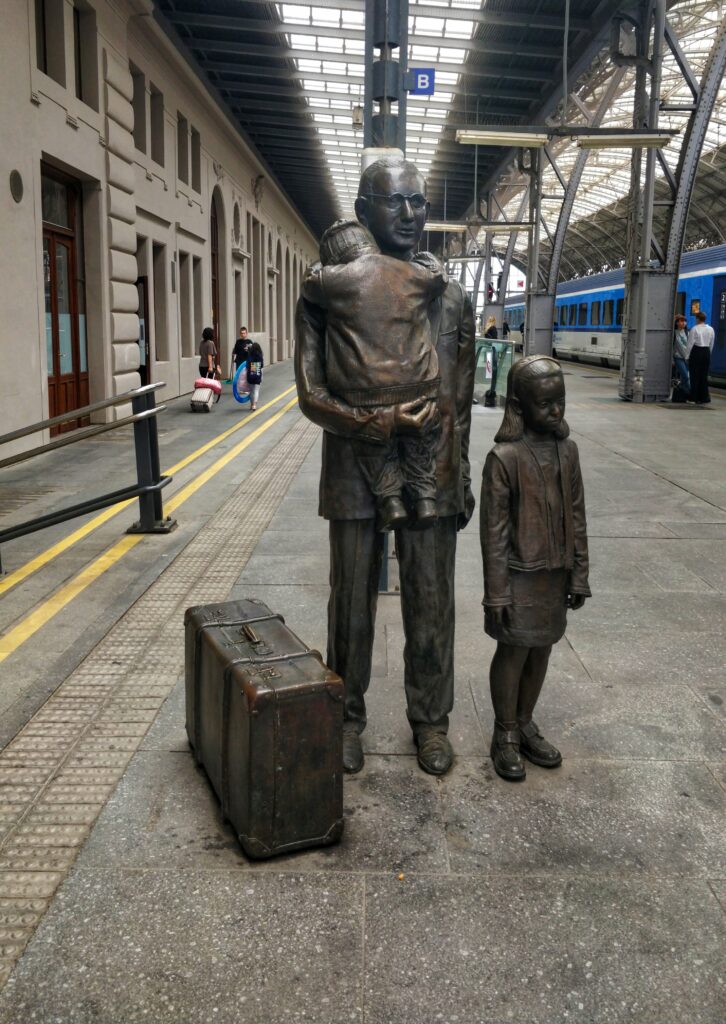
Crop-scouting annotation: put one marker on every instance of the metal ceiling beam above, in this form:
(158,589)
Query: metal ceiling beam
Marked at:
(293,92)
(504,18)
(244,48)
(249,25)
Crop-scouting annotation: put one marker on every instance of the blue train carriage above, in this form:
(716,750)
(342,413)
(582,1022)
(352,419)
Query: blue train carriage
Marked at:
(589,311)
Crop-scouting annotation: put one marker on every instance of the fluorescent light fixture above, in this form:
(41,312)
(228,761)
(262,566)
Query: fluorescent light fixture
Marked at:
(504,227)
(494,227)
(502,137)
(445,225)
(624,140)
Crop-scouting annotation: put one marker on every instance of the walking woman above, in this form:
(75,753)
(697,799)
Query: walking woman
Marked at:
(254,372)
(208,358)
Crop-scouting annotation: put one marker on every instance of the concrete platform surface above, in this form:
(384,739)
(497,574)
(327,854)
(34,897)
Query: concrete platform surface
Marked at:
(592,893)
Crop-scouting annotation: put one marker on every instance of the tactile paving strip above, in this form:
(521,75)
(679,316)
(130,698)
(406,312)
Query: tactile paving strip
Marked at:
(58,773)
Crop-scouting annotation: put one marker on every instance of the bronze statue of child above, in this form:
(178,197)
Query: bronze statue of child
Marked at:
(534,543)
(379,352)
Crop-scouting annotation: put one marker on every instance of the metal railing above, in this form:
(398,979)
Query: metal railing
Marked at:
(149,480)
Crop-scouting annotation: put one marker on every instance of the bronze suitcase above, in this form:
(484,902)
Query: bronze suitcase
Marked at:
(265,720)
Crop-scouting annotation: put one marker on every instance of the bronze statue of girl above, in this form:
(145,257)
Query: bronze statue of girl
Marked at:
(534,543)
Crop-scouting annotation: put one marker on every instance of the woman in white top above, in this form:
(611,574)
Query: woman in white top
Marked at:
(700,343)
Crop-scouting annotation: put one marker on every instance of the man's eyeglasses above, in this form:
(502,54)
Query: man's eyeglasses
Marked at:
(395,200)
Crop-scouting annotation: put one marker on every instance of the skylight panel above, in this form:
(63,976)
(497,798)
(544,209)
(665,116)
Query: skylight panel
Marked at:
(353,19)
(423,53)
(451,53)
(326,16)
(428,26)
(293,13)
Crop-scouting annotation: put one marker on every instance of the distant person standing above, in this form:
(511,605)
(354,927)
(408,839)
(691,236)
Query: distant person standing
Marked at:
(241,350)
(491,329)
(254,372)
(700,342)
(680,355)
(505,330)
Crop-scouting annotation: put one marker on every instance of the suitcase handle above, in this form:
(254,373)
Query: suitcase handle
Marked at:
(252,636)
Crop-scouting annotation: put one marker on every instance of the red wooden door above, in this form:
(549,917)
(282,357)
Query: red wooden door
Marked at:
(65,320)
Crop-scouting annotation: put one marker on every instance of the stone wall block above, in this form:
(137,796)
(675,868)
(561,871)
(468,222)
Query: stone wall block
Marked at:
(120,173)
(117,74)
(124,297)
(125,327)
(119,141)
(125,357)
(119,109)
(121,205)
(121,235)
(123,266)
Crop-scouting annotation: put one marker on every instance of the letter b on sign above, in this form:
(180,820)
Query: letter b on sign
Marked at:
(422,81)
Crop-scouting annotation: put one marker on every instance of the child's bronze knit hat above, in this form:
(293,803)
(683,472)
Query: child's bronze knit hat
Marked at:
(344,241)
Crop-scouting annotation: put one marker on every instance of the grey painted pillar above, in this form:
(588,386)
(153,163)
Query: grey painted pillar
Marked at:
(509,256)
(645,369)
(538,325)
(386,30)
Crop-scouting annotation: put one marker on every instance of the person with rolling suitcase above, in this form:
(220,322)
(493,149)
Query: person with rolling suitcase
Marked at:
(207,390)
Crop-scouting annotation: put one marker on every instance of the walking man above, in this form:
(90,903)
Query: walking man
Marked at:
(392,205)
(700,344)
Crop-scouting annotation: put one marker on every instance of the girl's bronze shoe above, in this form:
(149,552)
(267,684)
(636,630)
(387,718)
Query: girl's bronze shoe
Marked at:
(536,748)
(505,754)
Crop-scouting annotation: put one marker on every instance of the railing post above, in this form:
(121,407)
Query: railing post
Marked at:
(148,470)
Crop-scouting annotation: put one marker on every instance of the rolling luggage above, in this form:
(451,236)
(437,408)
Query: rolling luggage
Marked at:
(206,393)
(265,720)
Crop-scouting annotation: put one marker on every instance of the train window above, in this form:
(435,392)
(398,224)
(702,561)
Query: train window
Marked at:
(572,319)
(595,314)
(619,312)
(607,312)
(680,303)
(582,314)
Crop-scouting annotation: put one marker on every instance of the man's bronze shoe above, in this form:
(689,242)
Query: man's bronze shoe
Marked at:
(353,759)
(536,748)
(392,514)
(435,754)
(505,754)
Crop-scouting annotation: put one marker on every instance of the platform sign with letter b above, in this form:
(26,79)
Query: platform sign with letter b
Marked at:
(423,81)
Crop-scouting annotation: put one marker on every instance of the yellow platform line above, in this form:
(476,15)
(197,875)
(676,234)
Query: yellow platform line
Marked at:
(45,557)
(32,622)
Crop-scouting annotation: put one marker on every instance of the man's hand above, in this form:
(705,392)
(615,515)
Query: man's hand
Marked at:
(575,601)
(416,417)
(499,616)
(469,503)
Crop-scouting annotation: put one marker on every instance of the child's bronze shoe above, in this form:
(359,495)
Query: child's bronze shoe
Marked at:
(505,754)
(426,514)
(536,748)
(392,514)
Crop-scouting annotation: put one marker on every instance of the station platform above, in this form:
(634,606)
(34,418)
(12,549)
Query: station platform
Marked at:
(593,893)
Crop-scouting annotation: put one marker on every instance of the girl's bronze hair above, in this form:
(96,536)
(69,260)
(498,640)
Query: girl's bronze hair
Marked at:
(524,372)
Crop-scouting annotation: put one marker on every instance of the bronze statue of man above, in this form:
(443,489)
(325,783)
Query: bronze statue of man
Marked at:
(392,205)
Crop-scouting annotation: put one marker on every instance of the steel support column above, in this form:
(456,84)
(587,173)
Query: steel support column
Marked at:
(538,318)
(386,29)
(653,263)
(645,366)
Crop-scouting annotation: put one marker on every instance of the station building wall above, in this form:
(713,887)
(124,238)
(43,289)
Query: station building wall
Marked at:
(133,214)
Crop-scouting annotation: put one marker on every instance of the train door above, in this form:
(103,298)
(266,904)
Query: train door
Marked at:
(64,286)
(718,322)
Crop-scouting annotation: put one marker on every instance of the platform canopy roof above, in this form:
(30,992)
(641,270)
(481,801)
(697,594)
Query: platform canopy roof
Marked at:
(291,73)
